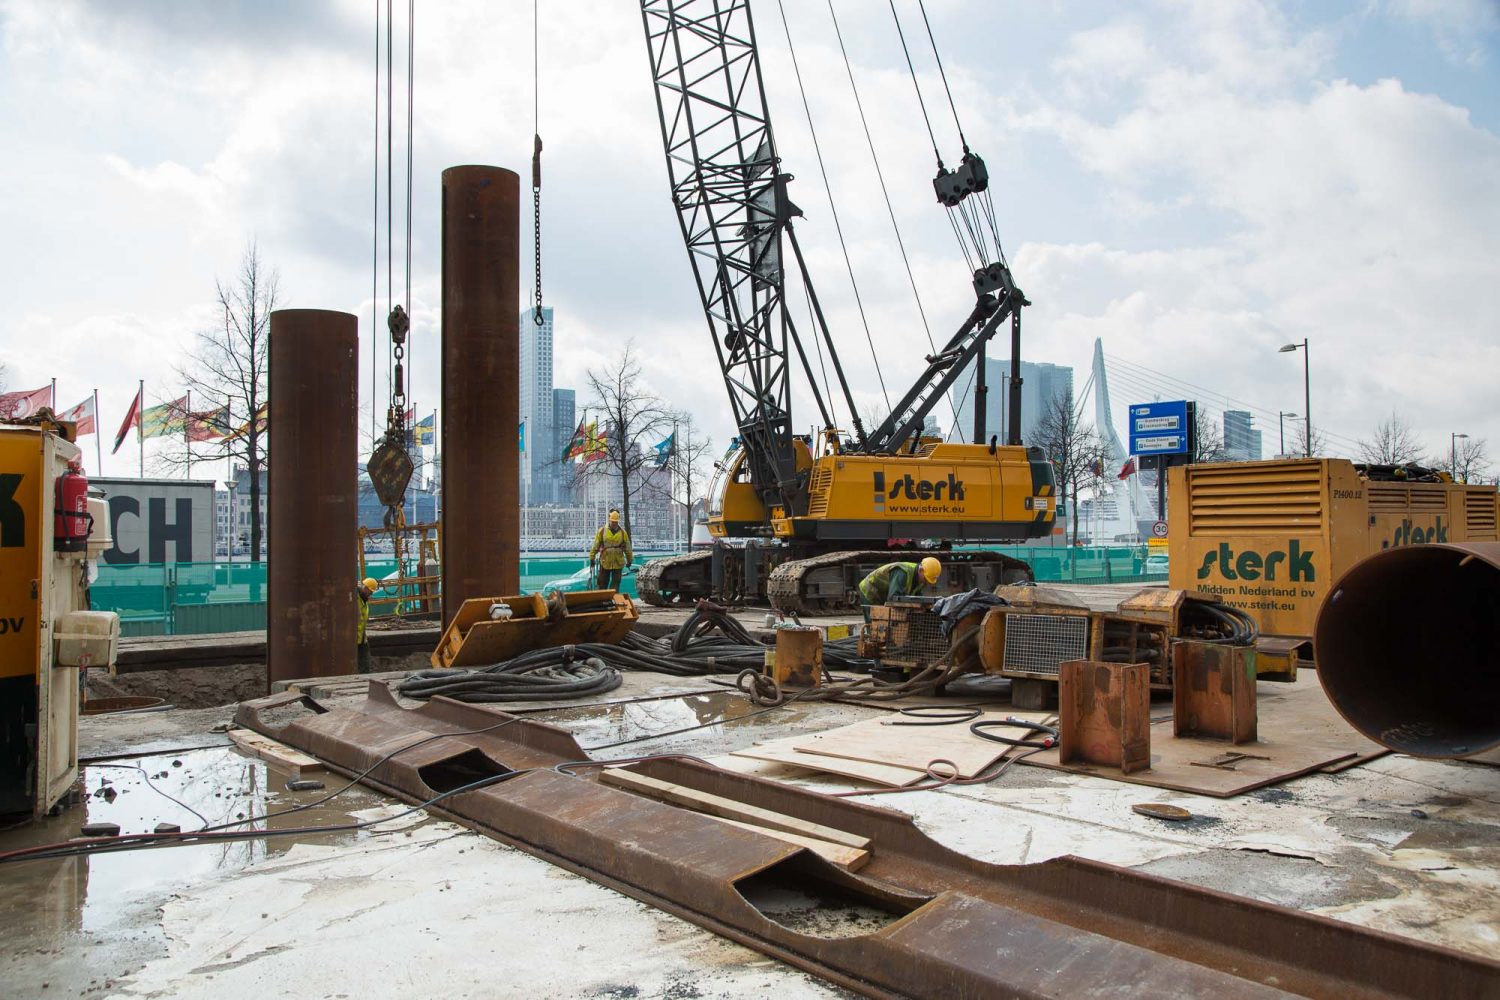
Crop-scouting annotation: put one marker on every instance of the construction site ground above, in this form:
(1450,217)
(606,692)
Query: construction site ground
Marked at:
(427,908)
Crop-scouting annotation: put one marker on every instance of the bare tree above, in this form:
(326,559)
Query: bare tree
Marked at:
(228,367)
(1469,461)
(1073,448)
(1392,444)
(1208,440)
(1300,446)
(633,418)
(692,456)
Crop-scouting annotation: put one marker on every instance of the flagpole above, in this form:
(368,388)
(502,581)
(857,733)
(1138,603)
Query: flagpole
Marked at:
(98,437)
(140,423)
(187,437)
(54,395)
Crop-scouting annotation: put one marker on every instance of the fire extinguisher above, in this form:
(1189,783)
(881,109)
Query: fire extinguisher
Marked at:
(70,532)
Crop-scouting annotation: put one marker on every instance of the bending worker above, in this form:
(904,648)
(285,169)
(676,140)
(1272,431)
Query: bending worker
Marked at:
(612,553)
(897,579)
(367,588)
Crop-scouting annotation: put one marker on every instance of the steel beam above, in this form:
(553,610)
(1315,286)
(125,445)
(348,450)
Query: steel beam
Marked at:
(481,385)
(311,617)
(959,927)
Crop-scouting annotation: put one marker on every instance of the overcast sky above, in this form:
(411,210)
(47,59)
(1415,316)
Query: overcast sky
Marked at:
(1196,183)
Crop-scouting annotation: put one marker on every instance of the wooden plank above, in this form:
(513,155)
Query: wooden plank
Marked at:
(718,805)
(782,752)
(276,753)
(849,858)
(878,741)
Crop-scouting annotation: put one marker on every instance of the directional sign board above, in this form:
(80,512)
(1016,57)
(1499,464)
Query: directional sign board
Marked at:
(1159,428)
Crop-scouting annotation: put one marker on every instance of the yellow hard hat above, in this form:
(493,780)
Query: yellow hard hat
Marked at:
(931,569)
(370,583)
(614,515)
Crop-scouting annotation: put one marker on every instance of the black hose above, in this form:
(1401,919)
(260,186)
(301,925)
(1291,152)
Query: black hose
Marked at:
(1048,733)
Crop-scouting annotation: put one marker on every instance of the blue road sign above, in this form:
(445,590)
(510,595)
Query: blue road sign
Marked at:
(1159,428)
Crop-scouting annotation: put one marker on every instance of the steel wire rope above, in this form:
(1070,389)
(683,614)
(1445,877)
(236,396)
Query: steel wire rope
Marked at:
(913,71)
(885,194)
(375,240)
(922,6)
(812,320)
(832,206)
(390,191)
(411,56)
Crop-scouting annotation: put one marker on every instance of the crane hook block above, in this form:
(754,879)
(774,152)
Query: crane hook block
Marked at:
(399,324)
(970,177)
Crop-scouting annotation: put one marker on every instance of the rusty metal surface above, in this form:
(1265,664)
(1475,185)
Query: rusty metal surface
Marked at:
(960,928)
(798,660)
(1213,692)
(1407,647)
(473,639)
(311,616)
(1104,714)
(481,384)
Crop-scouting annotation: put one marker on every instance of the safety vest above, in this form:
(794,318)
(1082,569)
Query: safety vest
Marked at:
(885,583)
(612,547)
(364,615)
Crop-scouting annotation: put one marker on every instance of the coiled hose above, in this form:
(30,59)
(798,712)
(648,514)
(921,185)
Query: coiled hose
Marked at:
(710,641)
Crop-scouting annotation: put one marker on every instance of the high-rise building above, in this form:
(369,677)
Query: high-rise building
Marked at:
(1241,440)
(1041,384)
(564,421)
(538,463)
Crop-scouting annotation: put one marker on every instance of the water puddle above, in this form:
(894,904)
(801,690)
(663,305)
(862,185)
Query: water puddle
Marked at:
(107,903)
(593,725)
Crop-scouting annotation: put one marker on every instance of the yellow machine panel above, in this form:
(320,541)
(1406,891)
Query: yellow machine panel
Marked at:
(1271,537)
(20,551)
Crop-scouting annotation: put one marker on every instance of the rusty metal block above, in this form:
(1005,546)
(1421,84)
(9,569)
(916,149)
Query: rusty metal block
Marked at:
(474,639)
(798,661)
(1213,691)
(1105,714)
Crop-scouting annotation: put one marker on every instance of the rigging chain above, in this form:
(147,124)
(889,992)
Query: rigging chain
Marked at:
(536,164)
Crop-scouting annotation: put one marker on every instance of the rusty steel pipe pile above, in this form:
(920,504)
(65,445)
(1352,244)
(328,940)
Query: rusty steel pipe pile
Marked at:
(481,384)
(1407,648)
(311,617)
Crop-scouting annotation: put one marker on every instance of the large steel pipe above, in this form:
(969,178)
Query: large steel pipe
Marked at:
(311,617)
(481,384)
(1408,648)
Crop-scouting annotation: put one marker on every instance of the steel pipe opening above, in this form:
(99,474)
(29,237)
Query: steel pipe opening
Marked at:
(1407,648)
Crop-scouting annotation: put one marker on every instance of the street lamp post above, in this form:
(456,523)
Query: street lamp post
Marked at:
(1281,416)
(1306,392)
(1453,454)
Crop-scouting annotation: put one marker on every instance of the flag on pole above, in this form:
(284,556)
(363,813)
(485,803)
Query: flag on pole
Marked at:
(82,416)
(595,447)
(132,419)
(521,435)
(424,431)
(262,418)
(665,449)
(19,405)
(1097,467)
(578,444)
(165,420)
(209,425)
(1127,470)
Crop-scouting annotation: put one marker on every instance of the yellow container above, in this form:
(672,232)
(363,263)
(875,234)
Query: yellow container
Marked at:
(1271,537)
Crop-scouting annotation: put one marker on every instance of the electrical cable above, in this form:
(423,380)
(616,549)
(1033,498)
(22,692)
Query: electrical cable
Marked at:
(833,207)
(937,715)
(147,778)
(1047,742)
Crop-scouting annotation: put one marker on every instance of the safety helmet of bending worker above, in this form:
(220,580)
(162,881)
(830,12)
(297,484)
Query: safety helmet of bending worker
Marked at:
(931,569)
(370,583)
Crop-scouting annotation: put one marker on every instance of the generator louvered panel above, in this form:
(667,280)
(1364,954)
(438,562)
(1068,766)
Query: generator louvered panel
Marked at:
(1429,499)
(1387,497)
(1479,514)
(1236,499)
(1039,644)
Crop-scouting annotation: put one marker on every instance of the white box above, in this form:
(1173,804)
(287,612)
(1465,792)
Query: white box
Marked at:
(87,639)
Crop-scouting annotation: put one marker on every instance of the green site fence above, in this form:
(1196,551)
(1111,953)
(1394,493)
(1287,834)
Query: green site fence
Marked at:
(202,598)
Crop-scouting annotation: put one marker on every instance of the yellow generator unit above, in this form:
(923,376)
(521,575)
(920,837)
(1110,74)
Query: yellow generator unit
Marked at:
(46,632)
(1271,537)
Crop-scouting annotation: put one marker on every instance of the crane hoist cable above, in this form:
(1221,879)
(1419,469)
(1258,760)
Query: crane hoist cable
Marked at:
(375,234)
(536,162)
(833,208)
(885,193)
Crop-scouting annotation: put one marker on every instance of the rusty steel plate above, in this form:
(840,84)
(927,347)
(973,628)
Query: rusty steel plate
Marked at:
(954,927)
